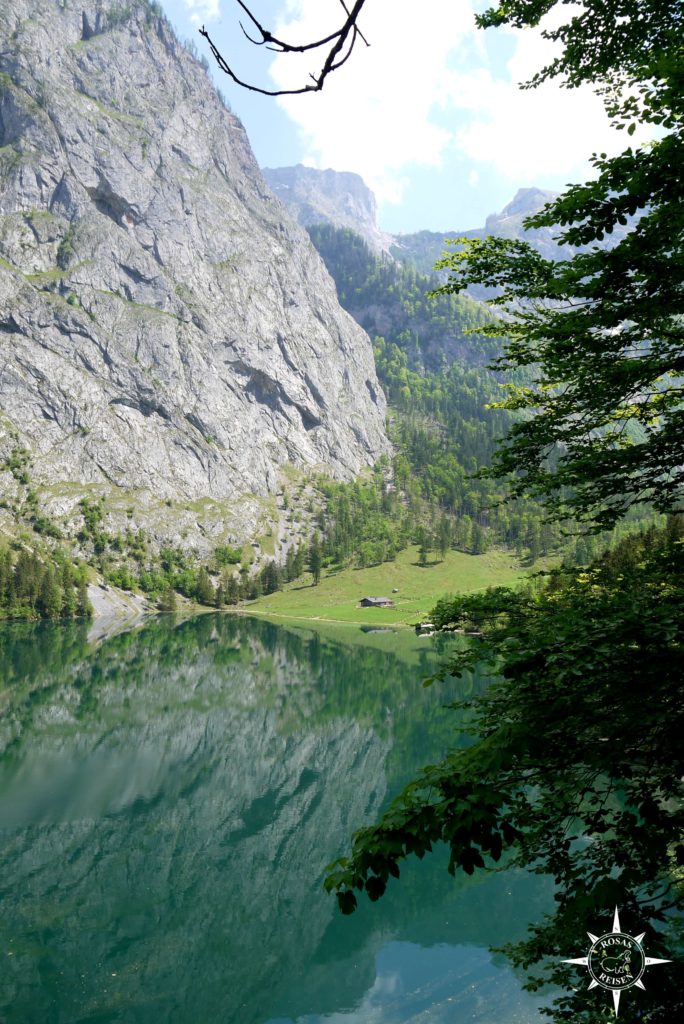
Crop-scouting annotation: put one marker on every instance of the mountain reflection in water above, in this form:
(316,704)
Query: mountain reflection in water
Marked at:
(169,801)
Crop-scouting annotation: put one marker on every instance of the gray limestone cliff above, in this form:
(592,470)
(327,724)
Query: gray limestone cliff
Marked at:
(166,330)
(509,223)
(340,198)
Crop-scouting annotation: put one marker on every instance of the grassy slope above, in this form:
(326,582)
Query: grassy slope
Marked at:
(338,594)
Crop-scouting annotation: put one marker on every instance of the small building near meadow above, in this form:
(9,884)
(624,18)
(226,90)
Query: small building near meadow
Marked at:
(376,602)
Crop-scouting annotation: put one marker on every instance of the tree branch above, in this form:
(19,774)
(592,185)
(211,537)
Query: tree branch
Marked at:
(334,59)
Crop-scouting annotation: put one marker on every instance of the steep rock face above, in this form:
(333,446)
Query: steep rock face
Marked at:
(340,198)
(163,325)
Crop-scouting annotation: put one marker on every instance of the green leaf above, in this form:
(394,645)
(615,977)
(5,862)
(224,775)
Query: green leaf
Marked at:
(346,901)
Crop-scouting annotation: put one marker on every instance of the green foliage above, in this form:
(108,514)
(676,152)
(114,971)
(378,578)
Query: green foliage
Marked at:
(578,765)
(444,427)
(122,577)
(603,329)
(445,424)
(204,590)
(168,602)
(18,464)
(315,560)
(231,589)
(394,301)
(93,513)
(416,587)
(65,249)
(613,43)
(92,532)
(224,554)
(270,577)
(46,586)
(364,523)
(118,14)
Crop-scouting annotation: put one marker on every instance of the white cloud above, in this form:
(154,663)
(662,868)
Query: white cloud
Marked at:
(424,93)
(374,115)
(533,133)
(203,11)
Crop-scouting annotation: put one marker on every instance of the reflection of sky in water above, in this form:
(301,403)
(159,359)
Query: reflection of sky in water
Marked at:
(439,985)
(60,785)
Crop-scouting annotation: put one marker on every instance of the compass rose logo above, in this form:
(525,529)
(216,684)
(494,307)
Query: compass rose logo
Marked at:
(616,961)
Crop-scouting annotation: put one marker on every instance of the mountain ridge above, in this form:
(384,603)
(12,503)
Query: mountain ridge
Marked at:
(168,333)
(343,200)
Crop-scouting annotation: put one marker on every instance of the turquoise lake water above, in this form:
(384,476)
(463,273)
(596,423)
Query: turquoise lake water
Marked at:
(169,800)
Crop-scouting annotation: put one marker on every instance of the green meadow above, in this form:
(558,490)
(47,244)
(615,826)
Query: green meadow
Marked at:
(337,596)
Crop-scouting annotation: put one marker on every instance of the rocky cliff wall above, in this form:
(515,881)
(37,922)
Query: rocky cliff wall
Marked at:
(340,198)
(165,328)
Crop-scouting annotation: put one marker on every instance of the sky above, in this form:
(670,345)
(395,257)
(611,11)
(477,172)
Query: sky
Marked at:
(430,114)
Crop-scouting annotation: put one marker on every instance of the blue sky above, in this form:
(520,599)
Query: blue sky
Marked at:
(430,114)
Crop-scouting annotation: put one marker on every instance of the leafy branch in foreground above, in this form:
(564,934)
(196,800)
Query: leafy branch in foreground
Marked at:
(603,331)
(592,794)
(578,767)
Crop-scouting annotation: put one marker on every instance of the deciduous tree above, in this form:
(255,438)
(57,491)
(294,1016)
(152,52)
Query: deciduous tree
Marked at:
(603,332)
(578,766)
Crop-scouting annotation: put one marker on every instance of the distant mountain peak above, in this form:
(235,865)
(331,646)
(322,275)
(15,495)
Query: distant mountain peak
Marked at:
(340,198)
(527,201)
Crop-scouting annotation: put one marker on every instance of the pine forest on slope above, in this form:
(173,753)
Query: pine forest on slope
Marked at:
(441,421)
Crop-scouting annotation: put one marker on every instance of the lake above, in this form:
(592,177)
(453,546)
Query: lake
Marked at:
(169,800)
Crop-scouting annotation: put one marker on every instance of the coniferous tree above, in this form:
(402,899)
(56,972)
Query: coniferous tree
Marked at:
(534,541)
(68,584)
(228,586)
(5,576)
(254,587)
(315,559)
(480,539)
(168,601)
(299,561)
(444,536)
(83,603)
(424,545)
(50,594)
(270,580)
(204,592)
(232,589)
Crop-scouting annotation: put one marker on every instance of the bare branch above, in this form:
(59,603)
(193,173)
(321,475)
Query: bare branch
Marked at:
(334,59)
(346,11)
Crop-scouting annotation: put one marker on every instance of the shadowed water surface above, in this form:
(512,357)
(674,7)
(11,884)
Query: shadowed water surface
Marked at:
(169,801)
